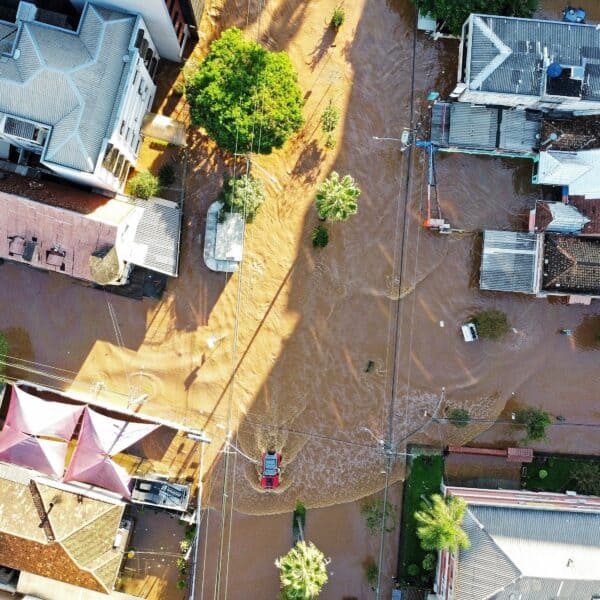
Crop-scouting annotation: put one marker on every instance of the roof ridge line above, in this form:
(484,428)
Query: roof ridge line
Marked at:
(87,523)
(504,52)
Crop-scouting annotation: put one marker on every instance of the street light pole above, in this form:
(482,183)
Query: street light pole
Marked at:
(202,440)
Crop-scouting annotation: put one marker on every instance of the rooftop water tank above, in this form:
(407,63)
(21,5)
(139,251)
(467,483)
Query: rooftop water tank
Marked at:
(554,70)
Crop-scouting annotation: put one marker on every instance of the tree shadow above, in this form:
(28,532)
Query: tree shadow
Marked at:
(325,44)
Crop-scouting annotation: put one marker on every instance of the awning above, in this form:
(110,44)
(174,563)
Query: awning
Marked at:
(45,456)
(101,438)
(35,416)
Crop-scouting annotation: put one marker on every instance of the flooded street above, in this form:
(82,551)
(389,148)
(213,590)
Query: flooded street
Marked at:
(283,347)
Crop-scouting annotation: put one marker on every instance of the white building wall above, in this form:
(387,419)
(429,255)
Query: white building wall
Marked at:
(157,17)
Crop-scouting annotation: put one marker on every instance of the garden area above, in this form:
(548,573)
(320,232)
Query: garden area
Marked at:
(562,473)
(424,480)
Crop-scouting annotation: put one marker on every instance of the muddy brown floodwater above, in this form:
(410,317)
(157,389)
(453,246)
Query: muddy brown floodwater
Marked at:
(309,321)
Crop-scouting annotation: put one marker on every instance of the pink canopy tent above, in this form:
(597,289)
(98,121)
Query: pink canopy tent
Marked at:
(46,456)
(100,438)
(35,416)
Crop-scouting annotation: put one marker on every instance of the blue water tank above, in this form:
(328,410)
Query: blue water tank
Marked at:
(574,15)
(554,70)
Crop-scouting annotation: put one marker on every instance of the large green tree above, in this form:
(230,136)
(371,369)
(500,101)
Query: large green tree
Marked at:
(302,572)
(453,13)
(246,97)
(337,199)
(243,195)
(440,524)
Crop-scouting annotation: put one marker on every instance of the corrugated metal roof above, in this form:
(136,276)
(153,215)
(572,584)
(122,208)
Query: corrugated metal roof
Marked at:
(440,123)
(529,553)
(518,132)
(578,170)
(77,77)
(507,54)
(565,218)
(509,261)
(473,126)
(157,235)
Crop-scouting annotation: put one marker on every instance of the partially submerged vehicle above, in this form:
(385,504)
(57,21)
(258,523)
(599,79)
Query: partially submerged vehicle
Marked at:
(270,463)
(469,332)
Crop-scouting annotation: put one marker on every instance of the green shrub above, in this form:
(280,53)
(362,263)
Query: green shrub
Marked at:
(338,18)
(453,13)
(181,564)
(179,88)
(245,96)
(4,349)
(243,195)
(413,570)
(543,474)
(459,417)
(166,174)
(429,562)
(371,573)
(586,478)
(320,237)
(330,142)
(185,545)
(181,584)
(534,421)
(300,509)
(375,512)
(330,118)
(144,185)
(491,323)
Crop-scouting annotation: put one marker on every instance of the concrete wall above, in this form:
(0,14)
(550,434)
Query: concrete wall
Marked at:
(156,16)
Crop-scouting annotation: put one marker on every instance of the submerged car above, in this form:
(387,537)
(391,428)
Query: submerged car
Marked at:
(269,478)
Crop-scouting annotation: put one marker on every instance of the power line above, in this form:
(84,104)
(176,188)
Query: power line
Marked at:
(398,320)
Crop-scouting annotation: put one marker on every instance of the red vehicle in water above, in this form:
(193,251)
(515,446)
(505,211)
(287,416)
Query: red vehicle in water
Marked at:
(269,478)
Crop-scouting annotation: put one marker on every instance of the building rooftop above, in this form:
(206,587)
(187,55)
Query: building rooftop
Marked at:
(462,125)
(571,264)
(575,133)
(510,55)
(590,208)
(71,81)
(558,217)
(509,261)
(52,530)
(145,233)
(529,546)
(576,170)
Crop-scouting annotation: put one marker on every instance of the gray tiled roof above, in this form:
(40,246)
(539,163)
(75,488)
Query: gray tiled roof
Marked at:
(509,261)
(71,81)
(506,54)
(529,553)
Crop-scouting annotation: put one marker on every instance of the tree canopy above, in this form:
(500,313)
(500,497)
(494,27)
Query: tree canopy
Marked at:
(243,195)
(453,13)
(534,421)
(302,572)
(245,96)
(440,524)
(337,199)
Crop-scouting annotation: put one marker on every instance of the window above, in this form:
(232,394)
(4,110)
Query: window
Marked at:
(141,88)
(137,145)
(117,170)
(122,128)
(135,76)
(152,67)
(143,47)
(149,55)
(139,38)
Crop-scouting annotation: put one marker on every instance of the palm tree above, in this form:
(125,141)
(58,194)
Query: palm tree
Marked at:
(302,572)
(337,199)
(441,524)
